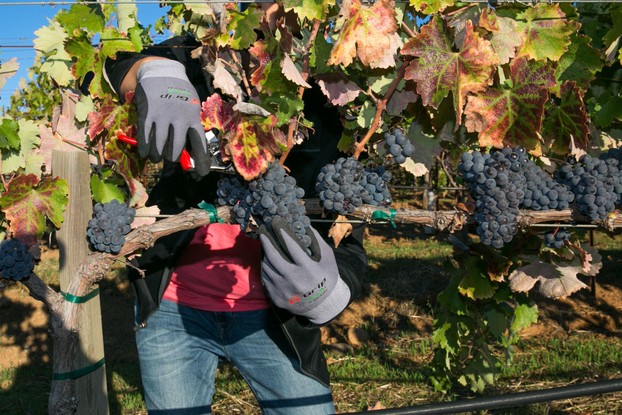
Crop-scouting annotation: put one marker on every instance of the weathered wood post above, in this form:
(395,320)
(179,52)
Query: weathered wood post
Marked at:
(89,371)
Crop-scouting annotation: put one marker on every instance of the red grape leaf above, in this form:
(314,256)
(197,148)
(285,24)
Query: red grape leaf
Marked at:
(126,158)
(431,6)
(512,115)
(252,146)
(367,33)
(338,88)
(216,113)
(546,31)
(567,121)
(439,70)
(27,203)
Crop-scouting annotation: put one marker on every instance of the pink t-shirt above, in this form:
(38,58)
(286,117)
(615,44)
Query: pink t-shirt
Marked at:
(219,271)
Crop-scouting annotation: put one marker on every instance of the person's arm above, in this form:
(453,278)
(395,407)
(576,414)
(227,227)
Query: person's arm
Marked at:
(167,102)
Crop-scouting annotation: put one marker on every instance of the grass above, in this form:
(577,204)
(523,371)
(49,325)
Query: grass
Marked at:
(391,370)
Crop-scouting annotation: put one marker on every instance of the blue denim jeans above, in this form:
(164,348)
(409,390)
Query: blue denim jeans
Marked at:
(179,351)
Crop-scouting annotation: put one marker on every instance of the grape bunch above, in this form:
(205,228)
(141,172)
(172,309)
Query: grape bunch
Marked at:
(345,185)
(110,223)
(557,238)
(16,262)
(274,193)
(497,198)
(503,181)
(595,182)
(398,145)
(375,187)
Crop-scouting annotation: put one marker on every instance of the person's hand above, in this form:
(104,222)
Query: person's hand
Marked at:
(305,283)
(169,109)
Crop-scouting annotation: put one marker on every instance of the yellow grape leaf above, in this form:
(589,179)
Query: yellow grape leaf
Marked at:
(367,33)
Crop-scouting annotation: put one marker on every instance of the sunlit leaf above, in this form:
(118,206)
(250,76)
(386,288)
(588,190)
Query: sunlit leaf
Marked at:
(367,33)
(438,70)
(7,70)
(512,116)
(505,36)
(431,6)
(338,88)
(28,203)
(546,31)
(240,33)
(216,113)
(309,9)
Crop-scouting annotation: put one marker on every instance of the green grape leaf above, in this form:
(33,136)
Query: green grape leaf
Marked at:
(113,42)
(439,70)
(309,9)
(83,17)
(216,113)
(7,70)
(27,203)
(338,88)
(268,77)
(106,187)
(367,33)
(613,37)
(512,116)
(475,285)
(567,121)
(431,6)
(319,55)
(580,63)
(505,38)
(524,316)
(126,15)
(81,48)
(9,136)
(496,321)
(606,109)
(28,157)
(283,107)
(240,33)
(546,31)
(50,41)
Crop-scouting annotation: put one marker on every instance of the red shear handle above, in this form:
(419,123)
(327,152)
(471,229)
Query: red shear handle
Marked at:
(185,160)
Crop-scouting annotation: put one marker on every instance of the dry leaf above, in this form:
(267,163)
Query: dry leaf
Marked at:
(339,230)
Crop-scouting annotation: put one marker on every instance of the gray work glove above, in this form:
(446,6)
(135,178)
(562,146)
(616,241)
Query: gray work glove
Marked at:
(304,284)
(169,110)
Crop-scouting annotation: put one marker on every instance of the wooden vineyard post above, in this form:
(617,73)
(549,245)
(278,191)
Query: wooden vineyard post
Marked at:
(89,370)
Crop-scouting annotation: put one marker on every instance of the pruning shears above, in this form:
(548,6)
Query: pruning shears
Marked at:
(185,160)
(187,163)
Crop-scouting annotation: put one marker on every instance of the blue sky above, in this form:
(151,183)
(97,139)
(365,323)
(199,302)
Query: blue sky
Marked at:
(18,24)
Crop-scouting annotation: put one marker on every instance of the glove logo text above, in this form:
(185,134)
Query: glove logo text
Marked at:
(179,94)
(295,299)
(315,293)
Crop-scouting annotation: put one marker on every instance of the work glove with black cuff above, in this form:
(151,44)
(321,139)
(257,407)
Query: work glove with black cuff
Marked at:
(303,281)
(169,110)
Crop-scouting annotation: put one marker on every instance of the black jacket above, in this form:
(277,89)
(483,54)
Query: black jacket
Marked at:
(178,190)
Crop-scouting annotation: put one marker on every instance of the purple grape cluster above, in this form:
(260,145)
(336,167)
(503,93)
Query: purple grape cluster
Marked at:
(16,261)
(398,145)
(274,193)
(503,181)
(556,238)
(110,223)
(595,182)
(345,185)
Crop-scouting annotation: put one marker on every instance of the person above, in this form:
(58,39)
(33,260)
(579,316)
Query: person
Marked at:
(215,293)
